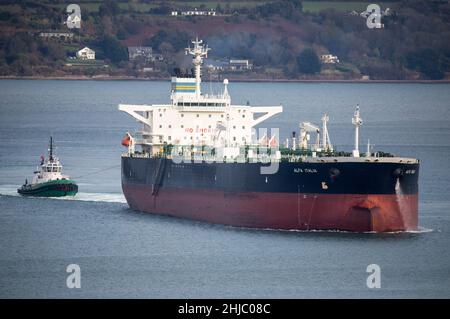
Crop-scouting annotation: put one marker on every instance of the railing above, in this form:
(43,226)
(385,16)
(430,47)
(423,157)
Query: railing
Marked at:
(188,153)
(147,138)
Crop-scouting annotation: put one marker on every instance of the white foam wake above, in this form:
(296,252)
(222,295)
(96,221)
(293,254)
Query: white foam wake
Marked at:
(98,197)
(11,190)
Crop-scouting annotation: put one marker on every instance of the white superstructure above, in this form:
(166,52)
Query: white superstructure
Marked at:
(193,118)
(50,169)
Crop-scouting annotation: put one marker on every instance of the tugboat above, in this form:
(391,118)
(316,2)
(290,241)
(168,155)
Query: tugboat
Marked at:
(48,180)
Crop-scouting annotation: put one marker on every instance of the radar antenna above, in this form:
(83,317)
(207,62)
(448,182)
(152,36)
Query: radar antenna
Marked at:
(198,51)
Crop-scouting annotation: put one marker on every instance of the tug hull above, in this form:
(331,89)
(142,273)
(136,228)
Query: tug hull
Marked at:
(54,188)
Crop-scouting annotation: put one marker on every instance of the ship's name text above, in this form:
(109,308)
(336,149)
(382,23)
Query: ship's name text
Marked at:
(305,170)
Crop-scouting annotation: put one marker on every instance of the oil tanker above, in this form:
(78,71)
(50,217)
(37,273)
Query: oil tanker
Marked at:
(200,157)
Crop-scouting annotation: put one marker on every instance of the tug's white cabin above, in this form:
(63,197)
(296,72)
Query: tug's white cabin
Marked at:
(50,168)
(49,171)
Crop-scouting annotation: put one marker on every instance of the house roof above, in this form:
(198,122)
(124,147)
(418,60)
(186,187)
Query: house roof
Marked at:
(86,49)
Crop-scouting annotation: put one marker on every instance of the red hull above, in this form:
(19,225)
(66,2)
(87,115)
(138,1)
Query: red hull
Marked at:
(349,212)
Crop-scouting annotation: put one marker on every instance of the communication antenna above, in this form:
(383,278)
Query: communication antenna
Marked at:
(326,143)
(357,122)
(198,51)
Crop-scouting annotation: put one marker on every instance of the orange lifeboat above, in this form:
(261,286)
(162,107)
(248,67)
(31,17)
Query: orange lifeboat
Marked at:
(126,141)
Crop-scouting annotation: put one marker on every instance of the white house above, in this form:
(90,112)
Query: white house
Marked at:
(145,53)
(196,12)
(236,65)
(57,35)
(329,59)
(86,54)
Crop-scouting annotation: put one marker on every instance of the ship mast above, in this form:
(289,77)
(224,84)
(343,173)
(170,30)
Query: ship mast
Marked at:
(357,122)
(51,149)
(198,51)
(326,142)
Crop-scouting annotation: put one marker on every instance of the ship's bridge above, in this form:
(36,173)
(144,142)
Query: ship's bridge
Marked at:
(194,118)
(185,95)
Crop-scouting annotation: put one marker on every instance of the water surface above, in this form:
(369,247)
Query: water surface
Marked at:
(123,253)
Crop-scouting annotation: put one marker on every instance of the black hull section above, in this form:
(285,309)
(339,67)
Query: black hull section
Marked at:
(317,178)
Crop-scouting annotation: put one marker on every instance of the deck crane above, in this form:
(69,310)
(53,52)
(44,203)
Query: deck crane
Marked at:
(305,129)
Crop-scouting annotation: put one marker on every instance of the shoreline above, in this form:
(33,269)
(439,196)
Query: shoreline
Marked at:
(268,80)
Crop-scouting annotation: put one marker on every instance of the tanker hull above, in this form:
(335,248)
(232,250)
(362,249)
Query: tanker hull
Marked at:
(348,196)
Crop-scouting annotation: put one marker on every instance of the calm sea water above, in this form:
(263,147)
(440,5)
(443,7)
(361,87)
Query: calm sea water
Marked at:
(123,253)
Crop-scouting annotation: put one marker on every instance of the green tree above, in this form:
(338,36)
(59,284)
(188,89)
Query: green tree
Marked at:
(297,4)
(428,62)
(113,49)
(308,62)
(109,8)
(178,39)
